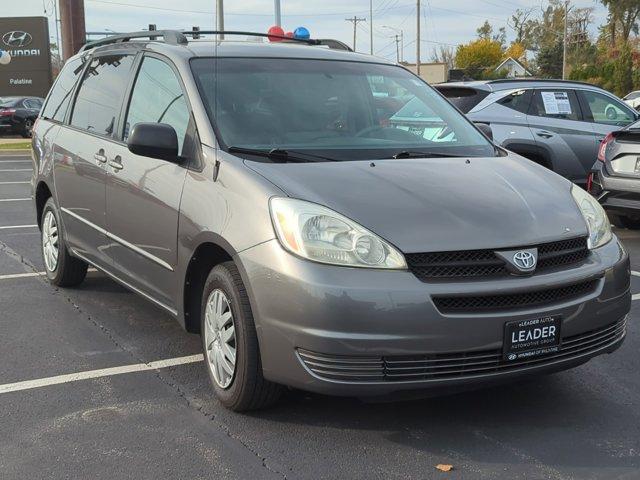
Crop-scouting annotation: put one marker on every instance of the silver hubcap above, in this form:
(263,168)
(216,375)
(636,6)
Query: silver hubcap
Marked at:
(220,338)
(50,241)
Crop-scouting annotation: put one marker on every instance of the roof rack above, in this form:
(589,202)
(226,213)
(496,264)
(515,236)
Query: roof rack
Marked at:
(333,44)
(174,37)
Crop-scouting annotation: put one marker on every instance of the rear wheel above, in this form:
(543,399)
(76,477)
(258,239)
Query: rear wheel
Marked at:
(230,343)
(27,128)
(61,268)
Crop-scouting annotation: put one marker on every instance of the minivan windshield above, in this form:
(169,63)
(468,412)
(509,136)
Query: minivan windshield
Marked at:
(336,109)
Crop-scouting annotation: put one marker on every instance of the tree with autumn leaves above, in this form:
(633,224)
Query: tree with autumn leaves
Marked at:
(611,60)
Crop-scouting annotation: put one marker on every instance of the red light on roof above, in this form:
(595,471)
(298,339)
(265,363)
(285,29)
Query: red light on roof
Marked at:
(278,33)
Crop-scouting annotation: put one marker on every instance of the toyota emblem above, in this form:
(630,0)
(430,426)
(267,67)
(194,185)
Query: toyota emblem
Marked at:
(524,260)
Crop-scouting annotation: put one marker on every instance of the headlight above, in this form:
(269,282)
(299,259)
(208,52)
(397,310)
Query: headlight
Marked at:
(317,233)
(595,216)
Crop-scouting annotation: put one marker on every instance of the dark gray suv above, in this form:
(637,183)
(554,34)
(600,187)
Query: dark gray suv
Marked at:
(555,123)
(277,199)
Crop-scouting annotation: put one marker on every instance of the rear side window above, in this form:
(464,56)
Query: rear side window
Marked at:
(606,110)
(99,97)
(561,104)
(464,98)
(158,98)
(60,96)
(518,101)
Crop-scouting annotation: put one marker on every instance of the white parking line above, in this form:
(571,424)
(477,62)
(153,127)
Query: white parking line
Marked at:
(635,274)
(14,199)
(105,372)
(11,227)
(17,170)
(14,183)
(16,161)
(12,276)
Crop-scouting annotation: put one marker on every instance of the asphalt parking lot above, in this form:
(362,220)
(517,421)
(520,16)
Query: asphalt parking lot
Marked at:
(95,382)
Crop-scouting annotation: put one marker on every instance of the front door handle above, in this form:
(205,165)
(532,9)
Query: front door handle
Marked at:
(100,157)
(544,134)
(116,164)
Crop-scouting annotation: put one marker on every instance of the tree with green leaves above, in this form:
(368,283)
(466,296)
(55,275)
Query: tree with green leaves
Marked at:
(623,18)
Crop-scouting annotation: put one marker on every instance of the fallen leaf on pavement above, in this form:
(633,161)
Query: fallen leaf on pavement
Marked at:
(444,468)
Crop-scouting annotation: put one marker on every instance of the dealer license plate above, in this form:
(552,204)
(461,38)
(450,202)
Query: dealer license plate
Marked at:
(525,339)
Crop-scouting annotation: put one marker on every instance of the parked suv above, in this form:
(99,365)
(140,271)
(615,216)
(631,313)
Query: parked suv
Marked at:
(261,194)
(555,123)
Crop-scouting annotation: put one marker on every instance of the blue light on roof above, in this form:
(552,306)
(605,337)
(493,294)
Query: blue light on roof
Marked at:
(302,33)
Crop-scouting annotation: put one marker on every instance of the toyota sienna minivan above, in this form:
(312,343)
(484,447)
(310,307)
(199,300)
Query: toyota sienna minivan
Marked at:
(269,198)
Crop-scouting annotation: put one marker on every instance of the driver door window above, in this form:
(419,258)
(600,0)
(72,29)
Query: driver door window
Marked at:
(158,98)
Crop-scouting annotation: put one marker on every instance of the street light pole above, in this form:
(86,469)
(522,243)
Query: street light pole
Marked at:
(277,12)
(418,38)
(220,17)
(370,25)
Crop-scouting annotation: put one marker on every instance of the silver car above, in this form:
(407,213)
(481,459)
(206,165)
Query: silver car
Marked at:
(277,199)
(555,123)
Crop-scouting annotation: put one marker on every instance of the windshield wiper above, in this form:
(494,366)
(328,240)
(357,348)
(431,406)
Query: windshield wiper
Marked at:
(282,156)
(408,154)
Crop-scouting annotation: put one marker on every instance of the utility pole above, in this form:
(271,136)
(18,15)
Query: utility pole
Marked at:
(220,17)
(355,20)
(55,9)
(398,48)
(564,43)
(418,38)
(277,11)
(401,32)
(371,24)
(74,34)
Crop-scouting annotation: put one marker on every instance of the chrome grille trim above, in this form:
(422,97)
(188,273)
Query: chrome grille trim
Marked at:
(449,366)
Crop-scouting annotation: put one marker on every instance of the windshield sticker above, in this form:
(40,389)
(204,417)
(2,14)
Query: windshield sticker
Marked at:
(556,103)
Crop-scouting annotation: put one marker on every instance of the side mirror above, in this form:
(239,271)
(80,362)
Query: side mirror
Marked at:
(154,140)
(486,129)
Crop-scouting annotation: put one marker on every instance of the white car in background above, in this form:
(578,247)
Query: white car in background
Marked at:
(633,99)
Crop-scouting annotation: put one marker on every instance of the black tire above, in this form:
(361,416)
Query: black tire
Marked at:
(630,223)
(27,128)
(69,271)
(248,389)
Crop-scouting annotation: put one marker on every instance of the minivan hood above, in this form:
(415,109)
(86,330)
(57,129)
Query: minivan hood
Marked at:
(445,204)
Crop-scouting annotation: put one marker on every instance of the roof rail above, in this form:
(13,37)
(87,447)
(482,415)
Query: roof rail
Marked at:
(534,79)
(172,37)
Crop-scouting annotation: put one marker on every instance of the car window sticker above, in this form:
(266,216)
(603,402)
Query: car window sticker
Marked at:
(556,103)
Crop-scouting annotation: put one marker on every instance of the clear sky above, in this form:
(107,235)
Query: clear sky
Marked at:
(448,22)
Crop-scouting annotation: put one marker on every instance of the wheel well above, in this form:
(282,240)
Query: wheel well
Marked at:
(42,195)
(206,256)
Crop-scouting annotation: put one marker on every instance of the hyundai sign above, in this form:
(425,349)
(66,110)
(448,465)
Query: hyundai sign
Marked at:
(26,40)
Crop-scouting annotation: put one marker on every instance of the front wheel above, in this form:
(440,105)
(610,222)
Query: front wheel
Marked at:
(230,343)
(62,269)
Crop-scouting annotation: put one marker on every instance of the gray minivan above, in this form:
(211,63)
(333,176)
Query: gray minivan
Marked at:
(558,124)
(271,199)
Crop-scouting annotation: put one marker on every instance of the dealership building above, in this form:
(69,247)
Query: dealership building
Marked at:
(29,73)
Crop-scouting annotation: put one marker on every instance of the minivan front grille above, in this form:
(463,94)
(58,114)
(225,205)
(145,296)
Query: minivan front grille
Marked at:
(495,303)
(448,366)
(485,263)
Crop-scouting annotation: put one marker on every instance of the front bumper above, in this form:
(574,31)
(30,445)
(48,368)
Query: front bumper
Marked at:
(311,318)
(616,194)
